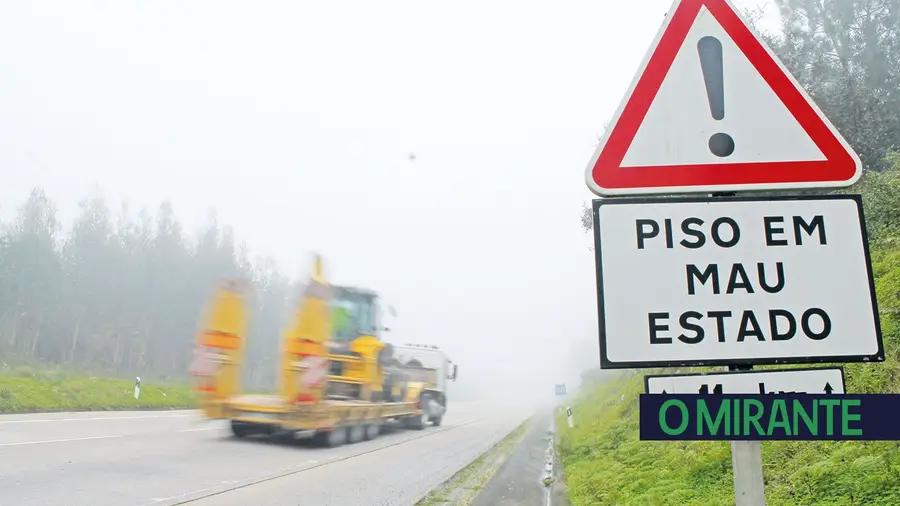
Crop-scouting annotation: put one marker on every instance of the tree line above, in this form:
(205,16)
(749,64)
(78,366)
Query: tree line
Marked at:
(122,294)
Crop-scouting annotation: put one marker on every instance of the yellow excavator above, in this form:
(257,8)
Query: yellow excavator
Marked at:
(339,381)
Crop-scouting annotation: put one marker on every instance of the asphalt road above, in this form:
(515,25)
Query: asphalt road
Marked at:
(173,457)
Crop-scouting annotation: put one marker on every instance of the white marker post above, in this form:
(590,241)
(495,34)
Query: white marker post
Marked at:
(569,417)
(137,388)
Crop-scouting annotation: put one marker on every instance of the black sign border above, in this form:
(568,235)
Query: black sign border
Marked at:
(605,363)
(647,377)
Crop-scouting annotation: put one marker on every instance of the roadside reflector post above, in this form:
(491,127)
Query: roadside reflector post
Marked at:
(569,417)
(137,388)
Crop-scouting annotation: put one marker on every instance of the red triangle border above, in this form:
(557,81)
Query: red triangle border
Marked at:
(840,164)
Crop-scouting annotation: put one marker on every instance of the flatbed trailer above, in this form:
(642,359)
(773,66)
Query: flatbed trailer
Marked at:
(330,422)
(303,407)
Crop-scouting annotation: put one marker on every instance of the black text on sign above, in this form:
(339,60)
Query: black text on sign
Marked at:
(699,281)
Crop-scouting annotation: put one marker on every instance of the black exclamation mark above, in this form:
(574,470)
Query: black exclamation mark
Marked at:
(710,49)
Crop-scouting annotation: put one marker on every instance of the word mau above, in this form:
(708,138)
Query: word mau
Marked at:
(738,279)
(748,327)
(726,233)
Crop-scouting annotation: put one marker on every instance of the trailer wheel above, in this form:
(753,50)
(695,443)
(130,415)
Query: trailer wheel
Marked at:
(372,431)
(240,429)
(357,433)
(332,438)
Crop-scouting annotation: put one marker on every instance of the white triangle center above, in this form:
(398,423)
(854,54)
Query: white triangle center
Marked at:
(679,124)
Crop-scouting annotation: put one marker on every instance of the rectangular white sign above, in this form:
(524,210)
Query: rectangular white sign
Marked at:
(734,280)
(801,381)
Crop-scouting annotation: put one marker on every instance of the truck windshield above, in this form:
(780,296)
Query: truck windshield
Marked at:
(427,359)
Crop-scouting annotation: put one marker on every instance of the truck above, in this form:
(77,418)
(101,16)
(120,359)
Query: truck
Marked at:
(339,383)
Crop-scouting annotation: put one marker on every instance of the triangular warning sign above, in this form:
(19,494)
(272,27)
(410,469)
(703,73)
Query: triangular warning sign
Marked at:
(713,109)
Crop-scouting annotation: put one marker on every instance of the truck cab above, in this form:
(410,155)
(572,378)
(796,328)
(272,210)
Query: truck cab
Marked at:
(429,368)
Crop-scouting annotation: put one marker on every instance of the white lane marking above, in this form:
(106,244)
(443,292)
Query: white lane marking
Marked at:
(111,418)
(179,496)
(22,443)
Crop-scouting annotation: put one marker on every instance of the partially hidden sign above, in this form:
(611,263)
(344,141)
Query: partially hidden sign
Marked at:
(693,281)
(824,380)
(712,109)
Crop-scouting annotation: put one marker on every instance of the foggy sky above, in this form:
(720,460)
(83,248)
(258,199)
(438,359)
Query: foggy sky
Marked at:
(295,121)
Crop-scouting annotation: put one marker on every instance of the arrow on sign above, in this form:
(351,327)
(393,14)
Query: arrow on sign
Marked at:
(716,389)
(828,388)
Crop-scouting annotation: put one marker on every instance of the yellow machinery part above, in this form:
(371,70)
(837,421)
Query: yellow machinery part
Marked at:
(363,369)
(220,346)
(304,341)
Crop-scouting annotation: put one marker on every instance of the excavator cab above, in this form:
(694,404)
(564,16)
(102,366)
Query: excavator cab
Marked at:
(354,313)
(360,364)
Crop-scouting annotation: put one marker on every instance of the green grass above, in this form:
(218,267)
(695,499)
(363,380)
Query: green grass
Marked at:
(32,390)
(605,462)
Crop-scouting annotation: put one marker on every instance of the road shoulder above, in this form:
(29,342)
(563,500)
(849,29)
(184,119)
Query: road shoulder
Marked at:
(520,480)
(468,481)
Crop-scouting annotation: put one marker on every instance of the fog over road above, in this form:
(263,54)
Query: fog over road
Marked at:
(172,457)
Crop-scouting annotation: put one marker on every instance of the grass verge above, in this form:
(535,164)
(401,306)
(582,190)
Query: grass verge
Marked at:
(33,391)
(606,463)
(462,486)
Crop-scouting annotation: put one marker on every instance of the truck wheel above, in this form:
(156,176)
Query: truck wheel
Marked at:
(356,433)
(372,431)
(240,429)
(417,422)
(333,438)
